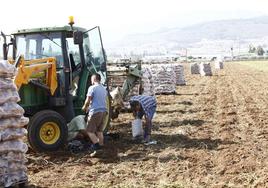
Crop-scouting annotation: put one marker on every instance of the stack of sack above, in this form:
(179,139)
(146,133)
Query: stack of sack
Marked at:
(205,69)
(147,82)
(164,79)
(195,68)
(218,65)
(179,71)
(13,170)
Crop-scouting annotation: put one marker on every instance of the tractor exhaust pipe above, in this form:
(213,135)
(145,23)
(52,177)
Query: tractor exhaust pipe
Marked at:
(5,46)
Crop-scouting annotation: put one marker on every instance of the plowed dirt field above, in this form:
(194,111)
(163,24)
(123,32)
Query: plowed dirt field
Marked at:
(212,133)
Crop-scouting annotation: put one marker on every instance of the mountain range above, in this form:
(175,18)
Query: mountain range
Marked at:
(225,34)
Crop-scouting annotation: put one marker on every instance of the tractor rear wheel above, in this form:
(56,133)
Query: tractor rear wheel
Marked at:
(107,119)
(47,131)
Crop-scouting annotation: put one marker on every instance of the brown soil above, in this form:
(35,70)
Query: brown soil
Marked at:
(212,133)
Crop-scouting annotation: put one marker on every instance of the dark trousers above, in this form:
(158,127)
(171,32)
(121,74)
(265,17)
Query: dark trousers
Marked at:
(148,125)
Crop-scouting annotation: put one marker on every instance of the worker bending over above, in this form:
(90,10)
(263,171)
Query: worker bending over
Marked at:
(142,105)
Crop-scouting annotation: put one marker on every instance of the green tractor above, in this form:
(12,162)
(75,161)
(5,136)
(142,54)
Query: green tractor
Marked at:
(79,53)
(54,68)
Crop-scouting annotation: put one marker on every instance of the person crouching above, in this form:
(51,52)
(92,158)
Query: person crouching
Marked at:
(143,105)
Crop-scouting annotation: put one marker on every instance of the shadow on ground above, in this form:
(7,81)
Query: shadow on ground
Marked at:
(176,123)
(128,150)
(173,111)
(172,102)
(124,148)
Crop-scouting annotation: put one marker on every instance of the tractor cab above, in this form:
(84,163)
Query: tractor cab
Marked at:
(79,53)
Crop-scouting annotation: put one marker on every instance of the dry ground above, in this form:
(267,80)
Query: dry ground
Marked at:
(213,133)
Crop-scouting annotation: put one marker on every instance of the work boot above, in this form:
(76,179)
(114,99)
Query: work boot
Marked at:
(95,150)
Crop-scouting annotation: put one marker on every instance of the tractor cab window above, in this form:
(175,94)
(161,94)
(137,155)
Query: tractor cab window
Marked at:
(28,45)
(93,49)
(75,62)
(74,54)
(40,45)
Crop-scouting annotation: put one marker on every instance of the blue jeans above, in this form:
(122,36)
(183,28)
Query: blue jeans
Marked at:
(148,125)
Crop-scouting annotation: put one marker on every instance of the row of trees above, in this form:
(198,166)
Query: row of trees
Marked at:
(259,50)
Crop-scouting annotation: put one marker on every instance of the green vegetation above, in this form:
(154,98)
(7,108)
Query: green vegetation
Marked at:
(259,50)
(258,65)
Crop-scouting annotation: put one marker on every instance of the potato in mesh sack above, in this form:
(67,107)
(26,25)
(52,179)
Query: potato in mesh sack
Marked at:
(164,78)
(14,156)
(6,83)
(13,178)
(13,145)
(13,122)
(11,166)
(3,163)
(12,172)
(147,82)
(16,166)
(6,69)
(9,95)
(12,133)
(195,69)
(11,109)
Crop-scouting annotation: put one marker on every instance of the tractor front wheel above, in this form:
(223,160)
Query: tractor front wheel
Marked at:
(47,131)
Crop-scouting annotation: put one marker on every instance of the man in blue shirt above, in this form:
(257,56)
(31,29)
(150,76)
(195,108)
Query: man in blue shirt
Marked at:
(96,96)
(143,105)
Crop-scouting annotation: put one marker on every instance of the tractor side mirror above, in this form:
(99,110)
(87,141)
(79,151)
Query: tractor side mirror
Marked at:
(78,37)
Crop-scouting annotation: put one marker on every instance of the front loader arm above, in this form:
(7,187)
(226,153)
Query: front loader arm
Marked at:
(133,75)
(26,69)
(119,94)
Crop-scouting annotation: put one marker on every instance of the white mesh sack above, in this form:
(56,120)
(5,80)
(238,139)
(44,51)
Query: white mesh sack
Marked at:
(194,68)
(7,83)
(137,129)
(12,133)
(13,145)
(7,70)
(13,122)
(11,109)
(9,95)
(147,82)
(179,71)
(13,178)
(14,156)
(205,69)
(164,79)
(218,65)
(12,148)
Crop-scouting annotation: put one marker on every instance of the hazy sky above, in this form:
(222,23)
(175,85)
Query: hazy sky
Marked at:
(118,18)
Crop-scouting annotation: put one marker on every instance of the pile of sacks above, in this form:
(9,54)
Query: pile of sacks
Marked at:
(164,79)
(12,148)
(195,69)
(218,65)
(147,81)
(205,69)
(179,71)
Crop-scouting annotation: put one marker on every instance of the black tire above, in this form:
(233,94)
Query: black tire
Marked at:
(45,122)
